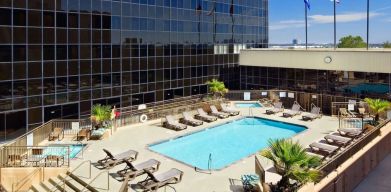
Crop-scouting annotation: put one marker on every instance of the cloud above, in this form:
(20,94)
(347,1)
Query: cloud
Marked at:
(387,19)
(323,19)
(341,18)
(287,24)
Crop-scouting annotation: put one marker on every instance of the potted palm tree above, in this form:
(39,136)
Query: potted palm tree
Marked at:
(292,162)
(377,106)
(217,88)
(100,114)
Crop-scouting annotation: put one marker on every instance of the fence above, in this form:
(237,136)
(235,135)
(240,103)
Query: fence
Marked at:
(324,101)
(35,156)
(131,116)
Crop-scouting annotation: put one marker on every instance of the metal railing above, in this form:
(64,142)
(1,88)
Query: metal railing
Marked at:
(287,97)
(351,149)
(62,182)
(351,107)
(95,178)
(19,184)
(157,112)
(34,156)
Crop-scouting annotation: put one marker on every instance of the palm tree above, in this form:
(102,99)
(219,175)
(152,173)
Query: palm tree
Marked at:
(100,113)
(377,106)
(217,87)
(292,162)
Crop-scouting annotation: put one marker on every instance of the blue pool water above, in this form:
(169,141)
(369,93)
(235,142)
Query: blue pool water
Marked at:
(226,143)
(62,150)
(247,105)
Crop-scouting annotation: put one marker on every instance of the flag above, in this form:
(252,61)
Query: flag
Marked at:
(231,8)
(336,1)
(198,9)
(307,3)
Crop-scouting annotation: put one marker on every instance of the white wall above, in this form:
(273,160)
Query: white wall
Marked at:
(344,60)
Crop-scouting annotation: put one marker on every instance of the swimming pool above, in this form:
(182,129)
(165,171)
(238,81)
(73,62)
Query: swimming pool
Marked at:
(226,143)
(61,150)
(247,105)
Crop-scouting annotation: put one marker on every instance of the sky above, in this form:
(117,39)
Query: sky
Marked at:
(287,20)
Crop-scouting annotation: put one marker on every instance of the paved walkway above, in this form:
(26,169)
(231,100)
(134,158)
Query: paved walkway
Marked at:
(137,137)
(379,179)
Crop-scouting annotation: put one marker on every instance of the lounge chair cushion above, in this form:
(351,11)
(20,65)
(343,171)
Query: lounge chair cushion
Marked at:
(172,173)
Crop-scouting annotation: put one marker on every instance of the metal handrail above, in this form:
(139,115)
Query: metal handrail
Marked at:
(16,187)
(70,173)
(210,163)
(89,184)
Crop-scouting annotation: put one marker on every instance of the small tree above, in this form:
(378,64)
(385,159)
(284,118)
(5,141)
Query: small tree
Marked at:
(377,106)
(387,44)
(99,114)
(292,162)
(217,87)
(351,42)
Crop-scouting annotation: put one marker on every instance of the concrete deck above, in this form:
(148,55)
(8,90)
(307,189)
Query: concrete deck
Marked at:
(137,137)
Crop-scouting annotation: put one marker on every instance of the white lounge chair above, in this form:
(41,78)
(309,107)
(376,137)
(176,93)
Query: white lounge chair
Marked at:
(172,124)
(188,119)
(295,110)
(231,112)
(111,160)
(218,114)
(154,182)
(202,115)
(326,149)
(314,114)
(132,171)
(276,108)
(350,132)
(337,140)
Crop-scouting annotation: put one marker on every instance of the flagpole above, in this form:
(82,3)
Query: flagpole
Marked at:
(335,25)
(367,24)
(306,27)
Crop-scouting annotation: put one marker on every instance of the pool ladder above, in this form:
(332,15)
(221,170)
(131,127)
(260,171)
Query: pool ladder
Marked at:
(209,166)
(250,112)
(210,163)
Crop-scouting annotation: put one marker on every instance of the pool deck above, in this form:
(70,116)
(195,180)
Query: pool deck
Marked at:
(137,137)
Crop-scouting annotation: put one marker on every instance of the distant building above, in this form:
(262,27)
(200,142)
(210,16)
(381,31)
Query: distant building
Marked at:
(295,41)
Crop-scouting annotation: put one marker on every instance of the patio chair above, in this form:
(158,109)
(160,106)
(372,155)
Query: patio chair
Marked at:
(322,148)
(337,140)
(277,107)
(54,161)
(314,114)
(112,160)
(295,110)
(15,160)
(171,123)
(56,133)
(218,114)
(202,115)
(266,102)
(231,112)
(188,119)
(132,171)
(345,113)
(154,182)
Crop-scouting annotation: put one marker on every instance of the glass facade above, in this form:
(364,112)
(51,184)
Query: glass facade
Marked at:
(344,83)
(59,57)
